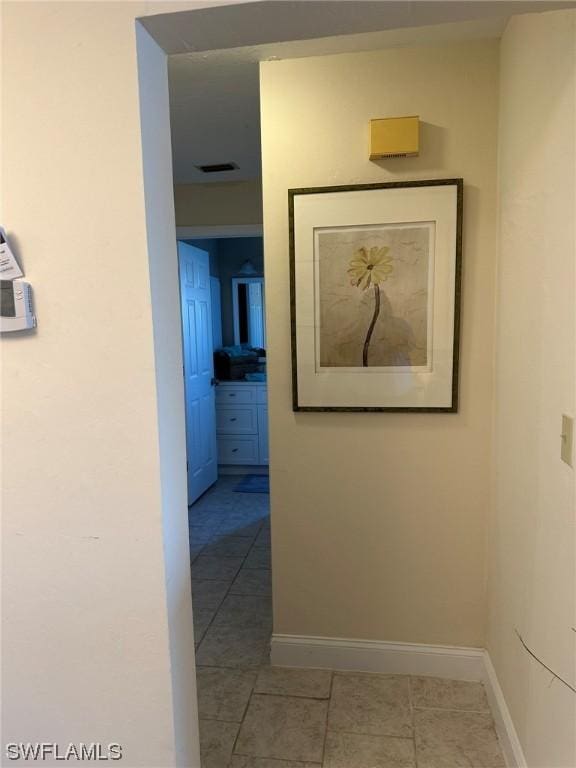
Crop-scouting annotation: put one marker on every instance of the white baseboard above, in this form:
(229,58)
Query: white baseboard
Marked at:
(502,719)
(451,662)
(376,656)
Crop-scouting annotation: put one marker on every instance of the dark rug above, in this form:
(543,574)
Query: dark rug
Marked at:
(253,484)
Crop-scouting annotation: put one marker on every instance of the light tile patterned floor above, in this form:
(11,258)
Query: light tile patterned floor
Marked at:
(256,716)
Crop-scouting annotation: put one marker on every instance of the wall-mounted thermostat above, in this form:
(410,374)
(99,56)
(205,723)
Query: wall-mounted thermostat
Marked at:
(16,311)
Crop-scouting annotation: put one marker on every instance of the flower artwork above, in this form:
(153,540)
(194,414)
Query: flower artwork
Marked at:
(373,296)
(370,267)
(375,272)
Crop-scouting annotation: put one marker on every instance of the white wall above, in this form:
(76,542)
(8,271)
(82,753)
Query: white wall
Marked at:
(95,598)
(165,297)
(532,574)
(379,520)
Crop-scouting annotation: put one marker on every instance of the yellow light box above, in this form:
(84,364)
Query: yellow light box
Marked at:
(394,137)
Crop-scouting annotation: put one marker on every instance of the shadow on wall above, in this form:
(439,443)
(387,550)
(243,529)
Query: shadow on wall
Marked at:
(431,153)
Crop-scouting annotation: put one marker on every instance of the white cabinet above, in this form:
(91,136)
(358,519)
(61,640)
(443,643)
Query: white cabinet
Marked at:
(263,433)
(242,423)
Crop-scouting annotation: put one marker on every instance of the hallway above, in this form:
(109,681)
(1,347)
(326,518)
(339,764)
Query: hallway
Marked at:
(256,716)
(231,584)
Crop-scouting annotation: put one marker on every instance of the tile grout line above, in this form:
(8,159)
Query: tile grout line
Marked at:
(203,635)
(293,695)
(327,717)
(211,620)
(216,611)
(454,709)
(233,752)
(371,735)
(246,707)
(222,720)
(411,700)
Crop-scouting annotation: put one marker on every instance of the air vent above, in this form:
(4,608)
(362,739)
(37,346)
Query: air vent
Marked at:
(217,168)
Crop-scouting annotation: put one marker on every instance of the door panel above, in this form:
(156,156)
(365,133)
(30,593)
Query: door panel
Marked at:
(198,370)
(193,436)
(191,359)
(204,331)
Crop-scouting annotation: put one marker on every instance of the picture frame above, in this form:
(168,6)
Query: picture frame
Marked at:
(375,287)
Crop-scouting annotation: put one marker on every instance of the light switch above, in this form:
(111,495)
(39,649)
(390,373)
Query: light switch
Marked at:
(566,438)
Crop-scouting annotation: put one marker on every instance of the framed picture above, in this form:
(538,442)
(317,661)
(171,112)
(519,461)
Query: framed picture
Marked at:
(375,296)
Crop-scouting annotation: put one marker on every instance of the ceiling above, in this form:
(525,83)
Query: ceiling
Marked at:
(214,81)
(215,115)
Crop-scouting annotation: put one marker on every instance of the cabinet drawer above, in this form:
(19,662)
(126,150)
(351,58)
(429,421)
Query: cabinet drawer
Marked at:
(231,395)
(238,450)
(240,419)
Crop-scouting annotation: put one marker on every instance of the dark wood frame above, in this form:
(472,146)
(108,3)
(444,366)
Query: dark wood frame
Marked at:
(459,184)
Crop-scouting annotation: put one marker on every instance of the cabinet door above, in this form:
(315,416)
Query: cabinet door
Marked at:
(263,434)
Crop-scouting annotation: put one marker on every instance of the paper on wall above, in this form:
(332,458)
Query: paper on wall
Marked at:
(9,268)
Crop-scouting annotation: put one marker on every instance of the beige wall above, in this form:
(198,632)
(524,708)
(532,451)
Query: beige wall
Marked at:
(532,576)
(218,203)
(97,638)
(378,520)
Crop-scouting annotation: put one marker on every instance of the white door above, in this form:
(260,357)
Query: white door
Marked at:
(198,370)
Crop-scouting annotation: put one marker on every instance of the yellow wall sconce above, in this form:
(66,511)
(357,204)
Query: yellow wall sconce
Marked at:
(394,137)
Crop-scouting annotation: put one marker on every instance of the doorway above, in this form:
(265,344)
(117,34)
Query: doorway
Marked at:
(308,548)
(224,351)
(227,448)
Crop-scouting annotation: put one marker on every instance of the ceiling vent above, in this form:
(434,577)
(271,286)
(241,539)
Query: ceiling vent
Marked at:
(217,168)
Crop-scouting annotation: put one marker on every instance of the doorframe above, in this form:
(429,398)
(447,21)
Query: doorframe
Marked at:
(162,236)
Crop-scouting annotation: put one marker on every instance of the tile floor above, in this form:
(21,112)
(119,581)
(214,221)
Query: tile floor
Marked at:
(256,716)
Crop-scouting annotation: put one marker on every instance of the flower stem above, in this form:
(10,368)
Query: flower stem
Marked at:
(371,326)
